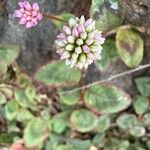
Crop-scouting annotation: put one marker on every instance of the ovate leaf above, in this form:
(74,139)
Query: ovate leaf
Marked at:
(54,141)
(103,123)
(123,145)
(7,138)
(126,121)
(140,105)
(8,55)
(143,85)
(130,47)
(23,80)
(2,99)
(71,98)
(57,73)
(36,132)
(137,131)
(6,91)
(59,122)
(24,99)
(81,144)
(11,109)
(83,120)
(3,67)
(24,115)
(65,147)
(106,99)
(146,120)
(99,140)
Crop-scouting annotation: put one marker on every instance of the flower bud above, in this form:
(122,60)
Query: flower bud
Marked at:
(69,47)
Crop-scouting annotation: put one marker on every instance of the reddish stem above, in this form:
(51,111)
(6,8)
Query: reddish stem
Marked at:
(53,17)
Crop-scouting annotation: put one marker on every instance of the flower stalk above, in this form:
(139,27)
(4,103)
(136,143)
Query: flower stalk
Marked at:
(53,17)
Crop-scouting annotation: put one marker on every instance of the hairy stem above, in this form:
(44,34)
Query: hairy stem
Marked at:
(53,17)
(108,79)
(109,33)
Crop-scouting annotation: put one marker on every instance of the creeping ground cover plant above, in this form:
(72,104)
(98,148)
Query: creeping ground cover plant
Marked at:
(77,100)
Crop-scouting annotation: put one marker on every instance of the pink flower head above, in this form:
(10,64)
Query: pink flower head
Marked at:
(80,43)
(29,14)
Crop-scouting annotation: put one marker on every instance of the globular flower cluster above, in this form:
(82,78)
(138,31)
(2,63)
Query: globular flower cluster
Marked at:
(80,43)
(29,14)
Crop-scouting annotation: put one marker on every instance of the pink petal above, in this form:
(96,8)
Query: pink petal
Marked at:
(88,22)
(27,5)
(99,38)
(39,16)
(18,13)
(86,49)
(34,13)
(34,21)
(23,21)
(21,4)
(28,18)
(28,25)
(28,13)
(61,36)
(81,28)
(22,10)
(67,30)
(25,15)
(35,6)
(75,32)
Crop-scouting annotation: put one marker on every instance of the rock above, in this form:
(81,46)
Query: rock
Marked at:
(137,12)
(36,43)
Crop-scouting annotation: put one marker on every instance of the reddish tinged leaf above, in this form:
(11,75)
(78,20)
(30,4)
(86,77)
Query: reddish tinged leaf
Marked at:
(130,46)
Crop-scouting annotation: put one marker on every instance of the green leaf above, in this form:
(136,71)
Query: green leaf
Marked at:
(105,18)
(6,91)
(7,138)
(70,98)
(59,122)
(83,120)
(8,55)
(106,99)
(103,123)
(126,121)
(24,115)
(25,100)
(54,141)
(140,105)
(130,47)
(137,131)
(64,16)
(3,67)
(11,110)
(99,140)
(143,85)
(146,120)
(123,145)
(24,80)
(2,99)
(109,54)
(36,132)
(57,73)
(81,144)
(65,147)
